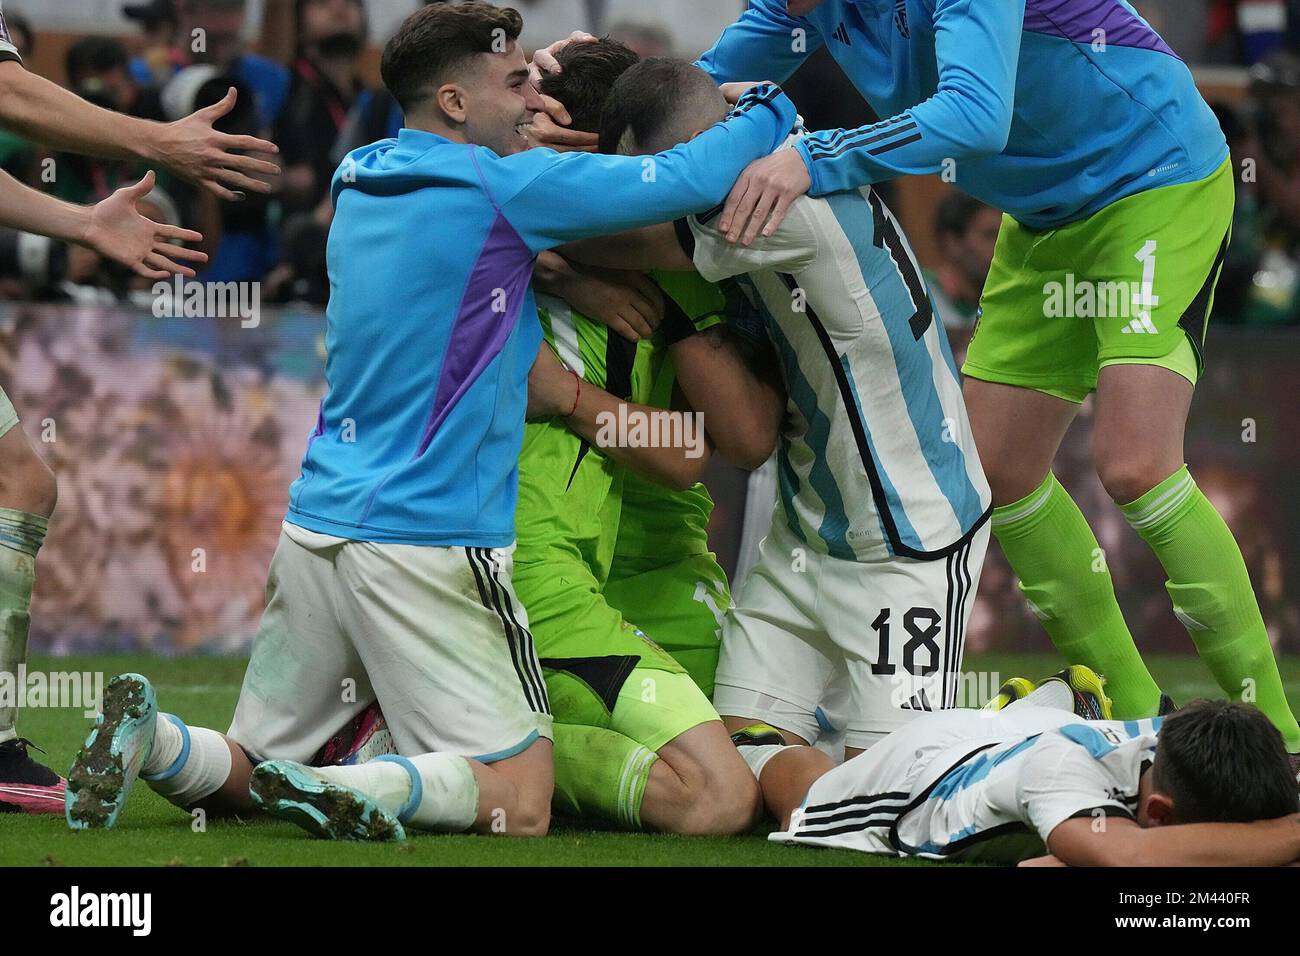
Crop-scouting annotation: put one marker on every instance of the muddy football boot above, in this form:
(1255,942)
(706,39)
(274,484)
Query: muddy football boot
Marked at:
(299,794)
(117,748)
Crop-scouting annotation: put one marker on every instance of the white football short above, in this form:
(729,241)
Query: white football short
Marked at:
(436,635)
(829,648)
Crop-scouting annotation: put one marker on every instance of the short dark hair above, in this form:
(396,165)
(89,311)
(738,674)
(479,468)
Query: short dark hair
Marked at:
(436,40)
(93,55)
(588,71)
(1223,762)
(646,100)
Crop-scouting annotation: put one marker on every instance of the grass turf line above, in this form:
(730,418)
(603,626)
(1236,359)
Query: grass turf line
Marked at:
(151,832)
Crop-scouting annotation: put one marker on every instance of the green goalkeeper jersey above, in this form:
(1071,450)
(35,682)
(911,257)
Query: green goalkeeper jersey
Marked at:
(571,514)
(572,497)
(570,492)
(660,525)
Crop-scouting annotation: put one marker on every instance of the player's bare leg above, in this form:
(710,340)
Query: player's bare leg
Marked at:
(1047,541)
(514,795)
(700,786)
(1141,415)
(786,778)
(783,764)
(1018,432)
(28,494)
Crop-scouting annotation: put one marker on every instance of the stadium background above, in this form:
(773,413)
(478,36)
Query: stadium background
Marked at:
(175,440)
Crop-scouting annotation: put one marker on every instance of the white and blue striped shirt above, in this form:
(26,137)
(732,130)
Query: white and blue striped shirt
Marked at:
(978,786)
(876,458)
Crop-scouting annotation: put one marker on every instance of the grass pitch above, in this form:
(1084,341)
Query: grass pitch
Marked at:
(151,832)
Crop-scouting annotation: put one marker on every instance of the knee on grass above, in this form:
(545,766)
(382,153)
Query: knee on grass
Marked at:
(712,801)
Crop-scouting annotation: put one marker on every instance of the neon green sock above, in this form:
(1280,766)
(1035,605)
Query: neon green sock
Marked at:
(600,773)
(1063,576)
(21,535)
(1212,594)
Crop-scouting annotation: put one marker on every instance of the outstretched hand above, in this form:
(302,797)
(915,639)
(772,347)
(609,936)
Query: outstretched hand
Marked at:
(197,152)
(118,230)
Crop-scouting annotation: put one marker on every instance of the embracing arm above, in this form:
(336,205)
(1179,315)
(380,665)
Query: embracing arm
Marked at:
(642,250)
(44,112)
(572,196)
(1122,842)
(742,405)
(765,41)
(977,46)
(593,413)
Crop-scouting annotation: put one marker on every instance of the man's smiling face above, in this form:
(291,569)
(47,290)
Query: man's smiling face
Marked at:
(500,101)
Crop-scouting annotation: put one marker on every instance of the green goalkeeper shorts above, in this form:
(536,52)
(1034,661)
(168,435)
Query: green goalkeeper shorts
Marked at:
(681,606)
(1132,284)
(601,670)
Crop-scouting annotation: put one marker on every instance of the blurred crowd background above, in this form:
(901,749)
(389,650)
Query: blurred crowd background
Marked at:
(307,72)
(175,440)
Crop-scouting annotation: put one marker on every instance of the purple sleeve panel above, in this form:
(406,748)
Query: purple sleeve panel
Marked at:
(1078,19)
(488,313)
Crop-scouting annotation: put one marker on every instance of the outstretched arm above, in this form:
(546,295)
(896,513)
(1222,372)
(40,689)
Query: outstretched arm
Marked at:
(765,41)
(44,112)
(742,400)
(1079,842)
(977,48)
(551,199)
(115,228)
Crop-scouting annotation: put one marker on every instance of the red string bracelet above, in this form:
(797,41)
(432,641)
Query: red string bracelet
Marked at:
(576,395)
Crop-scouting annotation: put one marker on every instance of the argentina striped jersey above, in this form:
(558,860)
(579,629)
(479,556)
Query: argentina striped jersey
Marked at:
(876,456)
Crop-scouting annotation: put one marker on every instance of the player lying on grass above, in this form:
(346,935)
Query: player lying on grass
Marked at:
(854,617)
(1079,122)
(1210,785)
(391,581)
(46,113)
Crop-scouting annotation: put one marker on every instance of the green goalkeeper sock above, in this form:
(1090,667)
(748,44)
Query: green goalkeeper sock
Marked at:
(1212,594)
(21,535)
(1064,577)
(600,773)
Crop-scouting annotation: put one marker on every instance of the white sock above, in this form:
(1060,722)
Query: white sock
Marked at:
(187,763)
(168,742)
(386,783)
(756,757)
(428,792)
(21,535)
(1051,693)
